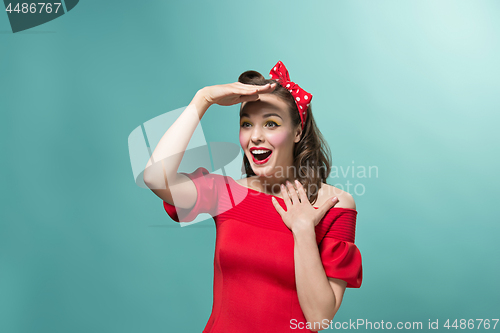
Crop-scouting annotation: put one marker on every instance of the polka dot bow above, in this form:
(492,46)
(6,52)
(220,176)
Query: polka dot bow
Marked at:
(302,98)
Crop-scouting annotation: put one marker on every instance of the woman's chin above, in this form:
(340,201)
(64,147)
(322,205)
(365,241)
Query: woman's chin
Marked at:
(267,169)
(263,170)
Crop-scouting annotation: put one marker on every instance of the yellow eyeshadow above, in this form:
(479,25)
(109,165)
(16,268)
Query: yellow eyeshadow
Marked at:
(277,122)
(267,121)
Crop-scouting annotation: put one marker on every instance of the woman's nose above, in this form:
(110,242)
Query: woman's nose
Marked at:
(257,134)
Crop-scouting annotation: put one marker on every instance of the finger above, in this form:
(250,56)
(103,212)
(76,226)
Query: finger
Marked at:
(302,192)
(326,206)
(247,91)
(286,197)
(267,86)
(248,98)
(244,85)
(267,90)
(278,207)
(252,91)
(293,192)
(252,87)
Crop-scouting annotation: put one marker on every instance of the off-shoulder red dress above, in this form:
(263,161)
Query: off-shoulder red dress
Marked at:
(254,276)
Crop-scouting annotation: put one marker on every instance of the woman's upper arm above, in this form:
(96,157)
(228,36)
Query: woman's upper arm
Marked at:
(182,188)
(192,194)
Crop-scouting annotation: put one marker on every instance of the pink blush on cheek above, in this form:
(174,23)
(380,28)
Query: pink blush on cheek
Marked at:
(278,139)
(243,141)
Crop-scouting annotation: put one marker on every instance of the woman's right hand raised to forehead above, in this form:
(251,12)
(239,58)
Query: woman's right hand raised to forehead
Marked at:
(234,93)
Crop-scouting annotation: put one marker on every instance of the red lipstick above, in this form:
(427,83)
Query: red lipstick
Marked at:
(256,161)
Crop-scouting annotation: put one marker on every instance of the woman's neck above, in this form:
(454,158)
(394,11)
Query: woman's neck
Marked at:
(267,184)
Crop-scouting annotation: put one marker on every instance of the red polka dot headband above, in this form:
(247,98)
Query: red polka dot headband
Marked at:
(302,98)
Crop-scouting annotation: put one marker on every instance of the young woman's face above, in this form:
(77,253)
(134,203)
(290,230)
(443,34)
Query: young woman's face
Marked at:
(267,124)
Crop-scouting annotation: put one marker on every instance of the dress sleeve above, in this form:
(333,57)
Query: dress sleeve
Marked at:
(340,256)
(206,200)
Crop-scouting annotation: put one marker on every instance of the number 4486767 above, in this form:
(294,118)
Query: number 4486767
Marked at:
(471,323)
(32,7)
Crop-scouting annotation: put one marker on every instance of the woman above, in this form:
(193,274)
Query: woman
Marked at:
(281,264)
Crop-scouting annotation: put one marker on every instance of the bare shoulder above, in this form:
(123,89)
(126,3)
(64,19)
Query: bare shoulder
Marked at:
(345,198)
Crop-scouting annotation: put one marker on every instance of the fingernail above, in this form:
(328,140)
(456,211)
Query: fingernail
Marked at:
(334,199)
(282,186)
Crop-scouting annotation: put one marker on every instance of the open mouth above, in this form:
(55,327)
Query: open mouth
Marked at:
(261,156)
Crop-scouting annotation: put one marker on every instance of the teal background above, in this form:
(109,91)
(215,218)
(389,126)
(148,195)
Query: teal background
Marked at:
(410,87)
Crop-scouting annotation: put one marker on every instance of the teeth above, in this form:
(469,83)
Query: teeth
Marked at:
(262,151)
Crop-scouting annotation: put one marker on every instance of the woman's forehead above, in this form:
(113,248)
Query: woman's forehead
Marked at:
(264,105)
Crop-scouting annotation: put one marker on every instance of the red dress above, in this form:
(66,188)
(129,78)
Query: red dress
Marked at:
(254,276)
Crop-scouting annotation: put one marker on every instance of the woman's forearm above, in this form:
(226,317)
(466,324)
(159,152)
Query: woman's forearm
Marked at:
(166,158)
(315,294)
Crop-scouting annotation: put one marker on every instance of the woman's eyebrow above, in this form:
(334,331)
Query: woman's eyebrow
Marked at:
(265,116)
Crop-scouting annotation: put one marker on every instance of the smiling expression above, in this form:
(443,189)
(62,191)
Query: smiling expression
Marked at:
(267,124)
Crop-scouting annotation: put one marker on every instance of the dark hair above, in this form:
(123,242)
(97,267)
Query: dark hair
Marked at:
(311,156)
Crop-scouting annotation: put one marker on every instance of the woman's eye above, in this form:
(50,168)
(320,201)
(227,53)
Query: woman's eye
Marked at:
(268,124)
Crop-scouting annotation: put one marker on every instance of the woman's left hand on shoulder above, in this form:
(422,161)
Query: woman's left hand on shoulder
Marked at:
(300,214)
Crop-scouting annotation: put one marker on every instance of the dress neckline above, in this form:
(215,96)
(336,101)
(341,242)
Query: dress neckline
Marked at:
(270,195)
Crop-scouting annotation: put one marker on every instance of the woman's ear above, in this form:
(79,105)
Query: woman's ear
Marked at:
(298,134)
